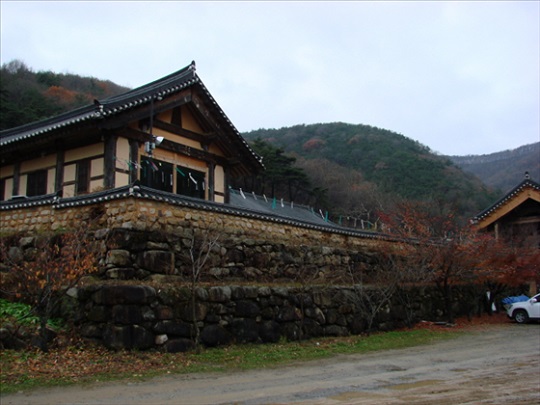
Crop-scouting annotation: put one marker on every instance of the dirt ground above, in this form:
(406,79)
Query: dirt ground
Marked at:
(495,364)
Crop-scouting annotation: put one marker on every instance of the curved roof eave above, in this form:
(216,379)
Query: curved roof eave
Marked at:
(510,195)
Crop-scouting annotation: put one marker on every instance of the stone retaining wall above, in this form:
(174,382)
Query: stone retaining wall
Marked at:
(148,242)
(141,300)
(141,238)
(144,317)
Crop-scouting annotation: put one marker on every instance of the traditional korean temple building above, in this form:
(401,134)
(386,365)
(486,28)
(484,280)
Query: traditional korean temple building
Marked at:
(516,216)
(169,135)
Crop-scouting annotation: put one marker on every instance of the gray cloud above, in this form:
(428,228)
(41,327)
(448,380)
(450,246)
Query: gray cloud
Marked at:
(459,77)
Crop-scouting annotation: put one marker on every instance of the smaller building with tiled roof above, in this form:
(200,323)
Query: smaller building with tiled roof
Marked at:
(516,216)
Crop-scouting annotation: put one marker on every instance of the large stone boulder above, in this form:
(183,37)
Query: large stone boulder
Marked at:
(128,337)
(216,335)
(124,294)
(157,261)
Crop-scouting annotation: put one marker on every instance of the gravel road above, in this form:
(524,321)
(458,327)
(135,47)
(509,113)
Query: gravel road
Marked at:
(499,364)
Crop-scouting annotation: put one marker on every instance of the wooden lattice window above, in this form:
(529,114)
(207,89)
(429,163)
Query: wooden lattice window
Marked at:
(36,183)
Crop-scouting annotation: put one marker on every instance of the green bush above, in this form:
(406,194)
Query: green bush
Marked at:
(22,314)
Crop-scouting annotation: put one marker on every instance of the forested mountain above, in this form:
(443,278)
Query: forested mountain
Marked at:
(503,170)
(27,96)
(350,170)
(360,169)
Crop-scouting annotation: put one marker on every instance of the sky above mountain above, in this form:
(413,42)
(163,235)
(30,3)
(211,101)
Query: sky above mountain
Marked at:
(459,77)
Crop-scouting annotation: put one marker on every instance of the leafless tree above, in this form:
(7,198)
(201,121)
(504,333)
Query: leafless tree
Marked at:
(374,288)
(202,244)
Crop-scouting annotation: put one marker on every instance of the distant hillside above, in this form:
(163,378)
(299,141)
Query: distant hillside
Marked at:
(28,96)
(503,170)
(376,164)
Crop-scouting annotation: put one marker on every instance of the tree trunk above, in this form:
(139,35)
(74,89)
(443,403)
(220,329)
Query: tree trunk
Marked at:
(196,338)
(448,302)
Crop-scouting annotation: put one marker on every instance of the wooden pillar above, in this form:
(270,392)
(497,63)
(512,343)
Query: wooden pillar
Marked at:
(211,181)
(109,161)
(16,179)
(134,161)
(227,181)
(59,177)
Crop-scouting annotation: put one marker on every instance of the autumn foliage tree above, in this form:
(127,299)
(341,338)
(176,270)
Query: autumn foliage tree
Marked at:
(501,263)
(435,245)
(446,252)
(57,263)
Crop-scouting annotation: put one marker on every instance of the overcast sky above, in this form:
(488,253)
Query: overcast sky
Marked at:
(459,77)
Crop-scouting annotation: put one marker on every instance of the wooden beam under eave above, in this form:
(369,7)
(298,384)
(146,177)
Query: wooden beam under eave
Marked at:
(193,152)
(228,141)
(134,134)
(203,139)
(200,108)
(170,102)
(48,143)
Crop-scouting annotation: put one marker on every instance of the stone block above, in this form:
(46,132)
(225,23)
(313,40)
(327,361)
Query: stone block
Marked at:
(185,312)
(91,330)
(127,314)
(124,273)
(160,339)
(179,345)
(118,258)
(124,294)
(163,312)
(269,331)
(128,337)
(245,330)
(216,335)
(26,242)
(148,313)
(288,314)
(247,309)
(312,328)
(98,313)
(219,294)
(157,261)
(335,330)
(316,314)
(291,331)
(175,328)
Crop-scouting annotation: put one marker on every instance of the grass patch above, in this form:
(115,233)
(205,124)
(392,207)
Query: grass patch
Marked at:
(26,370)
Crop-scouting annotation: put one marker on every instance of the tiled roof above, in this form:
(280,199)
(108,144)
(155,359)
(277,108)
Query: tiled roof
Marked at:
(296,217)
(104,108)
(111,106)
(262,204)
(527,183)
